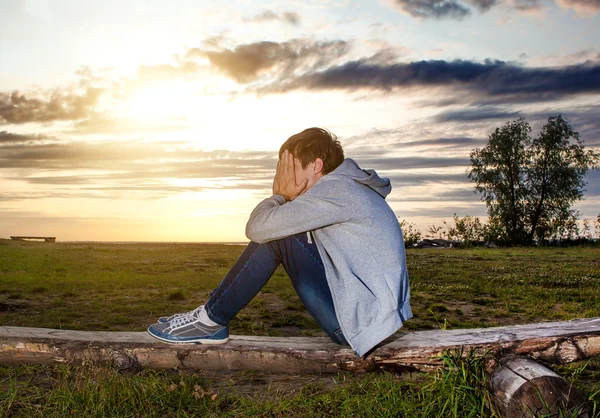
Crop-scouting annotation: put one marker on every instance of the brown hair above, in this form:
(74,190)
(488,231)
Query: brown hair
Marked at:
(313,143)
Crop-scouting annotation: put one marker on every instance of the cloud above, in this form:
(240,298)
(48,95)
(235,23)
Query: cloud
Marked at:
(593,184)
(477,114)
(17,108)
(99,123)
(460,9)
(12,138)
(150,73)
(118,169)
(584,119)
(582,7)
(447,142)
(437,9)
(393,139)
(443,9)
(387,163)
(420,179)
(290,18)
(488,79)
(147,168)
(527,5)
(133,156)
(245,63)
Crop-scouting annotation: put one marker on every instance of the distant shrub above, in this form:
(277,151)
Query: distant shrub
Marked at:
(410,232)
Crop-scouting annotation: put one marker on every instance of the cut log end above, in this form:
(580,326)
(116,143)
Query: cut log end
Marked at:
(523,388)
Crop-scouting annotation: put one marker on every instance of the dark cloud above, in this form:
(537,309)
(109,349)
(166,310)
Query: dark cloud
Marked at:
(459,9)
(467,209)
(291,18)
(458,195)
(446,142)
(245,63)
(397,135)
(443,9)
(12,138)
(17,108)
(476,114)
(483,5)
(386,163)
(437,9)
(420,179)
(491,78)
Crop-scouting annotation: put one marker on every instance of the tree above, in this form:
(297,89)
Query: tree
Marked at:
(529,185)
(498,171)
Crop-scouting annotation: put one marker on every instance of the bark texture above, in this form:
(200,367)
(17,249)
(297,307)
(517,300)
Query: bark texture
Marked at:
(556,342)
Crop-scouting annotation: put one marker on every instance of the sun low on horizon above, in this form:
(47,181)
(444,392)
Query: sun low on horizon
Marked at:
(162,122)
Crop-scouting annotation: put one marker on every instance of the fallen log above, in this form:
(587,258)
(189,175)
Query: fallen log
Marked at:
(554,342)
(523,388)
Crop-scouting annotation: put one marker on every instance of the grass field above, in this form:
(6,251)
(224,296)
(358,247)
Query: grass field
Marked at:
(127,286)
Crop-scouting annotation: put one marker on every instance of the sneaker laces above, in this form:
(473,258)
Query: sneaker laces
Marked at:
(186,318)
(193,312)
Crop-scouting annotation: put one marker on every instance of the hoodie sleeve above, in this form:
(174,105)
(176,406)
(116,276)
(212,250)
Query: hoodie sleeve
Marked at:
(326,203)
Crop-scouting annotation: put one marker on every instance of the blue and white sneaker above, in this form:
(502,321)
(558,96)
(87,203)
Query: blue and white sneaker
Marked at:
(188,329)
(165,319)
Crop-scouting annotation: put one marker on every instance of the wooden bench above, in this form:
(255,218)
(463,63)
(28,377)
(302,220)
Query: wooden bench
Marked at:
(23,238)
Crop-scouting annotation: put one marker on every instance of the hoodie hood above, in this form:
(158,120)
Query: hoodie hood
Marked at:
(350,168)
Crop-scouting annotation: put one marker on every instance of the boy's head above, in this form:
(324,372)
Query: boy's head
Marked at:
(313,143)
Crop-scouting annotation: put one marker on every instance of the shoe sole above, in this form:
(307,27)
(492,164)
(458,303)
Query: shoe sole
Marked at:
(206,341)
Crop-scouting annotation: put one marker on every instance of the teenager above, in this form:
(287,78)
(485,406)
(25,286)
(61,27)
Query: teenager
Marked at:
(340,243)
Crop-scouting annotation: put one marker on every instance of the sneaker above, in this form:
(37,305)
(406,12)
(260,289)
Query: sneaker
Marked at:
(165,319)
(188,329)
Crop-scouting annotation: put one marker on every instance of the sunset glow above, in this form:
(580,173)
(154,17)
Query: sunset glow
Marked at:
(162,121)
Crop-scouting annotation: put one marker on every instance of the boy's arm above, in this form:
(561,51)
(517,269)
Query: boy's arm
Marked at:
(326,203)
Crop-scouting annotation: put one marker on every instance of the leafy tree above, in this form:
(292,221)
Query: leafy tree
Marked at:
(530,184)
(498,171)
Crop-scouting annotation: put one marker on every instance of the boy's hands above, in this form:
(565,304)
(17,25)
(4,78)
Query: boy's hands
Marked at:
(284,183)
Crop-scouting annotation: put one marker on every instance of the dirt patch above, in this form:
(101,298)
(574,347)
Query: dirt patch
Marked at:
(12,307)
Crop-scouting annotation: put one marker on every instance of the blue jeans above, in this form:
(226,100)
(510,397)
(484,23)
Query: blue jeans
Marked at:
(254,268)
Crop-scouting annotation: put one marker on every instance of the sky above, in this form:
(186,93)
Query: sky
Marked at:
(124,120)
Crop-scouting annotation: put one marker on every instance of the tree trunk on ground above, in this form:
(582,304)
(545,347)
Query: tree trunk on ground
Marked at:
(557,342)
(523,388)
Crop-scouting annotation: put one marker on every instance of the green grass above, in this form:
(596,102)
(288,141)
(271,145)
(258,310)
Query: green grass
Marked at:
(458,391)
(81,286)
(125,287)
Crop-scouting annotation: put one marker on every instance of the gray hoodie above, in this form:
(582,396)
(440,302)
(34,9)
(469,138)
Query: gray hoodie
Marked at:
(360,242)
